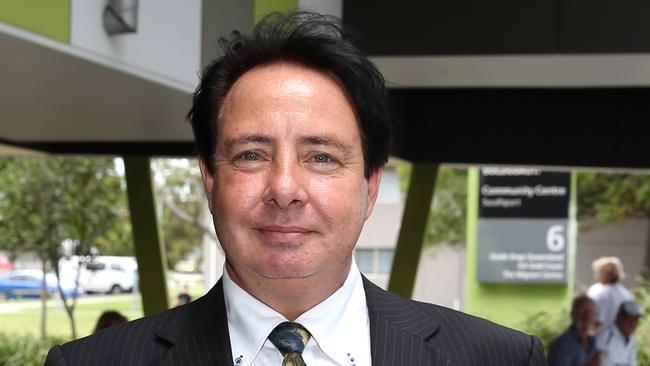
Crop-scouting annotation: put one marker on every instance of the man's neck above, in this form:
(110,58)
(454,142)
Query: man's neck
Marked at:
(294,296)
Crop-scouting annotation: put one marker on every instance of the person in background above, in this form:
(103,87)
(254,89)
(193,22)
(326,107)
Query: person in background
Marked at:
(617,341)
(108,319)
(608,293)
(183,298)
(576,347)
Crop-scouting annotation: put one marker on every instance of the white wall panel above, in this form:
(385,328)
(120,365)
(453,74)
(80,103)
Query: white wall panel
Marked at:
(167,41)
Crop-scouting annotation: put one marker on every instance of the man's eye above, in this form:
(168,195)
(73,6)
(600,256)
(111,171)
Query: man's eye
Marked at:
(322,158)
(249,155)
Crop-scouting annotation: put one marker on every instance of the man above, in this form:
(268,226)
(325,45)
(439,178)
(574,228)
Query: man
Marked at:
(617,341)
(576,347)
(293,129)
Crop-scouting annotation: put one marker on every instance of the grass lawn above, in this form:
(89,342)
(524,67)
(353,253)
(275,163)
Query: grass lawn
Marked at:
(24,316)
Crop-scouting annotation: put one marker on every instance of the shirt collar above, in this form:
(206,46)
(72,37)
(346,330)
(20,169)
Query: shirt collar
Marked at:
(333,323)
(250,321)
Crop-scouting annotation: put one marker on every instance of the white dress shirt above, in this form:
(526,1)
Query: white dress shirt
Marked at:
(608,299)
(339,326)
(616,350)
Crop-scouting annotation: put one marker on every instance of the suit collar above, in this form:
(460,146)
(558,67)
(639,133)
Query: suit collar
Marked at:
(399,328)
(198,330)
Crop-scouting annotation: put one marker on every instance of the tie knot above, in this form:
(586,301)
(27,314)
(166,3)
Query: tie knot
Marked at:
(289,337)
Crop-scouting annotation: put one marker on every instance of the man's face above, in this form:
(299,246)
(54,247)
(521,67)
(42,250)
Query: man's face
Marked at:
(627,324)
(585,317)
(288,194)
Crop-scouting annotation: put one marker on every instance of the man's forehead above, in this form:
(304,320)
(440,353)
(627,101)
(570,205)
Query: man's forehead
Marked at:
(287,77)
(309,104)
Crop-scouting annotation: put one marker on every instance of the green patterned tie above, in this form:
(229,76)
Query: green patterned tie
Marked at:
(290,339)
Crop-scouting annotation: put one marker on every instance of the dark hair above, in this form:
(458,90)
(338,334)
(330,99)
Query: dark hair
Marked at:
(183,298)
(309,39)
(577,304)
(108,319)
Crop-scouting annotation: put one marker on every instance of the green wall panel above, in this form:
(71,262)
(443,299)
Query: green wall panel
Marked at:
(263,7)
(49,18)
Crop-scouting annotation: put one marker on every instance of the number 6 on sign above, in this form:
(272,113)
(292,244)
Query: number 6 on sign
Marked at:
(555,238)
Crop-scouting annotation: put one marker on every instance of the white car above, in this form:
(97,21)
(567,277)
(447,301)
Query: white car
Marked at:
(109,274)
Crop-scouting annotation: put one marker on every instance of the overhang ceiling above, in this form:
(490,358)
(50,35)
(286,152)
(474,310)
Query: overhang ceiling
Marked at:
(54,93)
(57,99)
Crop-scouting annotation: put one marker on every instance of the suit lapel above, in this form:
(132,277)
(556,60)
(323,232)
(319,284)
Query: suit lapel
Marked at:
(400,332)
(197,335)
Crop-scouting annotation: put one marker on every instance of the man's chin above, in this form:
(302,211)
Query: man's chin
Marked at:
(284,274)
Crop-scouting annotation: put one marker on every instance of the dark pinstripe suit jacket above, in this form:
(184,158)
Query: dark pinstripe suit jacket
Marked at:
(403,332)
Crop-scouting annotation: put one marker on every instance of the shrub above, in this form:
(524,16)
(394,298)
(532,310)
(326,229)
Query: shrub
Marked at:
(642,295)
(546,325)
(24,350)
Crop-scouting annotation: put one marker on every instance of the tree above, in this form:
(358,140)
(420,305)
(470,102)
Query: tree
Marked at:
(446,222)
(30,213)
(56,198)
(94,199)
(179,191)
(611,197)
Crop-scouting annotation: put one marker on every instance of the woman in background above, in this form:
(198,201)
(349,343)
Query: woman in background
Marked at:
(608,293)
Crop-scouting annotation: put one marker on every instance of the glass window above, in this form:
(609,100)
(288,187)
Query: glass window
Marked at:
(95,266)
(24,278)
(385,260)
(364,258)
(117,267)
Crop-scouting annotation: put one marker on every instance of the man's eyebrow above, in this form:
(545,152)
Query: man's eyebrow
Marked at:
(231,142)
(325,141)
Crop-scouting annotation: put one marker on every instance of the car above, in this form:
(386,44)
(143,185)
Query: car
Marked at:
(109,274)
(28,283)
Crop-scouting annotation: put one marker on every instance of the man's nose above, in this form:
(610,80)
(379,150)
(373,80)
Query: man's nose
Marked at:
(286,185)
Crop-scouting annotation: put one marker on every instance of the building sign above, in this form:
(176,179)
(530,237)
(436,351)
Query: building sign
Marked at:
(522,226)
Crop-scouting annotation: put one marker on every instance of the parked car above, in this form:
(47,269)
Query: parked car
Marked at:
(28,283)
(109,274)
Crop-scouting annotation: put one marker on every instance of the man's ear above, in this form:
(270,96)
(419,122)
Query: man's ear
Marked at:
(208,181)
(373,189)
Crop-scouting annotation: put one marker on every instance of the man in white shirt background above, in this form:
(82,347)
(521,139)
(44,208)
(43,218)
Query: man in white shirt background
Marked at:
(293,128)
(617,341)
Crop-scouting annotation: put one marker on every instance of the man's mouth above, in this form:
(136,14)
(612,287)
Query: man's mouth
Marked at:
(284,234)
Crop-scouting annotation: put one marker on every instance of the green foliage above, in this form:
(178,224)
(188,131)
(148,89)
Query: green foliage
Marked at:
(24,350)
(179,190)
(546,325)
(446,222)
(613,197)
(47,200)
(642,296)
